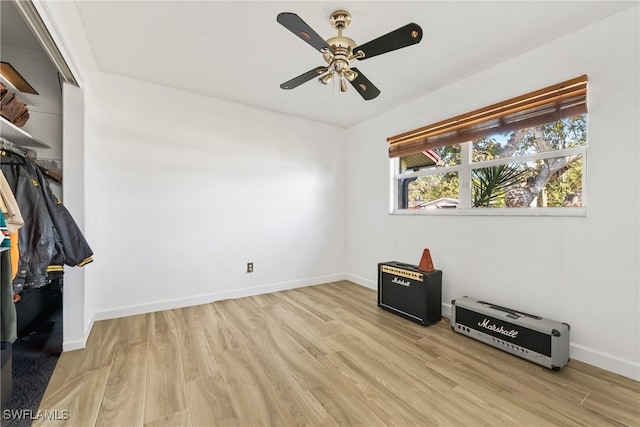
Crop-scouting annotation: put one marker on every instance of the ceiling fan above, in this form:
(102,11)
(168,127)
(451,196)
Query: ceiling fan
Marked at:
(339,51)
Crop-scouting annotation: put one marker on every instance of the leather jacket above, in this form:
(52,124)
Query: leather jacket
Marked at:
(50,236)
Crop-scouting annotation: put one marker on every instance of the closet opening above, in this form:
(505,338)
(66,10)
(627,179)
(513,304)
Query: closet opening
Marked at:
(34,267)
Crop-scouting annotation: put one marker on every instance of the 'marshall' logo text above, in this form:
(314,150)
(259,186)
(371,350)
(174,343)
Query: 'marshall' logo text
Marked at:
(399,281)
(499,329)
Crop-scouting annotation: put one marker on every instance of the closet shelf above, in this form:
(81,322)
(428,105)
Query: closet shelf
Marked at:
(16,135)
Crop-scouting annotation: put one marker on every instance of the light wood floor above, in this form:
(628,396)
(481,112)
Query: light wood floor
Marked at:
(319,356)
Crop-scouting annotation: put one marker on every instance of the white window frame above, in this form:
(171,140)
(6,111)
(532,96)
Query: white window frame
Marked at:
(464,170)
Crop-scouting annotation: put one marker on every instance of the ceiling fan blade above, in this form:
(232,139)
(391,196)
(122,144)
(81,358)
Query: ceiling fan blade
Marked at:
(303,78)
(365,88)
(297,26)
(402,37)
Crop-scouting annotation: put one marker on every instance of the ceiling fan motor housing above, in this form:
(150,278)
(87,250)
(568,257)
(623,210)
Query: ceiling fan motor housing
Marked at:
(342,50)
(342,47)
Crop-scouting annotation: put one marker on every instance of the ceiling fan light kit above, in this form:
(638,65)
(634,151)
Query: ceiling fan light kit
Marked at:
(339,51)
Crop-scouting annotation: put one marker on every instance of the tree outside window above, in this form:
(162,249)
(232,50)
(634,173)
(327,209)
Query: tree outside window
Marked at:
(526,152)
(516,169)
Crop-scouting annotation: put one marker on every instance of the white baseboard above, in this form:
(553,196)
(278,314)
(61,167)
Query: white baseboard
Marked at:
(82,343)
(446,310)
(609,362)
(75,345)
(361,281)
(195,300)
(214,296)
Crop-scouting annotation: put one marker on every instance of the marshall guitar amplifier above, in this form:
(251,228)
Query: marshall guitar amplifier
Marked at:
(542,341)
(409,292)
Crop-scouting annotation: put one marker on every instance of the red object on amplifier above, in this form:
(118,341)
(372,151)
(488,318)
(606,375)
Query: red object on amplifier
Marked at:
(426,264)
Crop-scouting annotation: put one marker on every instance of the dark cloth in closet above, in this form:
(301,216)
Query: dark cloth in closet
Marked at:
(75,249)
(50,236)
(8,320)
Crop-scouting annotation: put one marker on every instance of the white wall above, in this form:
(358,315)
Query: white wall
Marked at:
(74,317)
(583,271)
(183,190)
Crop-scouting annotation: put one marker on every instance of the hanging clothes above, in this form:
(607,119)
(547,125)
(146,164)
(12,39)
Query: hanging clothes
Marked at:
(13,218)
(76,251)
(5,241)
(3,207)
(50,237)
(9,206)
(8,318)
(14,253)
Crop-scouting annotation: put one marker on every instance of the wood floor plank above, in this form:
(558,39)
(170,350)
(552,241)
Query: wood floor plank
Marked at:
(396,346)
(262,365)
(165,393)
(175,419)
(215,327)
(125,390)
(80,397)
(226,334)
(310,339)
(196,355)
(264,300)
(291,401)
(460,407)
(323,355)
(210,403)
(131,330)
(345,410)
(593,377)
(102,343)
(615,406)
(68,367)
(353,384)
(245,315)
(300,315)
(249,394)
(291,357)
(293,369)
(490,388)
(410,380)
(101,346)
(307,302)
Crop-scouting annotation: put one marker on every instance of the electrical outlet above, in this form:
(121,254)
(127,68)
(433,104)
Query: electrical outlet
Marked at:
(249,267)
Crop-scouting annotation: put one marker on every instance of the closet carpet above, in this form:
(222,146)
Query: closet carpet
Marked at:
(34,357)
(322,355)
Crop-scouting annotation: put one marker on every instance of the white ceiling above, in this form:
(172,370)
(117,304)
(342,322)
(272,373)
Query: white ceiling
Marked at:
(238,52)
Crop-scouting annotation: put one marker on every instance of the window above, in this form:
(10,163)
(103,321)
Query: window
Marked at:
(528,153)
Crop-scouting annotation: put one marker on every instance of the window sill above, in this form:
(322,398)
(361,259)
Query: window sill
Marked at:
(530,212)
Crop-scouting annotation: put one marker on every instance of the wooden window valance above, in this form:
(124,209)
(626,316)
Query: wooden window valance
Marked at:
(546,105)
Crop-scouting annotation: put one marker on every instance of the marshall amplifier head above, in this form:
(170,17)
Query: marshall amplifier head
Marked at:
(542,341)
